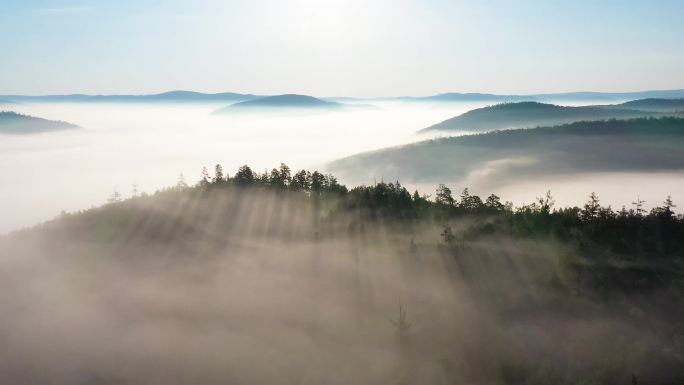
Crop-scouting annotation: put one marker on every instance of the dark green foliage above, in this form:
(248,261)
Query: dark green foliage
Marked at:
(632,232)
(244,176)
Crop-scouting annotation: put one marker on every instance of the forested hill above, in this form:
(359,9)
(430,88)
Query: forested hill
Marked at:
(297,254)
(653,104)
(14,123)
(334,202)
(288,101)
(531,114)
(644,144)
(178,96)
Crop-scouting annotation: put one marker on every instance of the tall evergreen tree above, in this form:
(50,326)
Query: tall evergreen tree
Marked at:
(244,176)
(218,175)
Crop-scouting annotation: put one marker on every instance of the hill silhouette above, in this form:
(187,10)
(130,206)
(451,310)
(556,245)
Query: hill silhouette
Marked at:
(167,97)
(281,102)
(224,268)
(14,123)
(555,97)
(643,144)
(653,104)
(531,114)
(468,97)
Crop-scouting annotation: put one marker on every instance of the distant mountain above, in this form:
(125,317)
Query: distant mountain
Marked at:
(14,123)
(166,97)
(653,104)
(610,96)
(282,102)
(531,114)
(644,144)
(469,97)
(454,97)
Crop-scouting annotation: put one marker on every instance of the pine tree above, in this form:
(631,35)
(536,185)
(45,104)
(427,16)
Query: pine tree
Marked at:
(639,207)
(244,176)
(218,175)
(204,177)
(591,209)
(181,184)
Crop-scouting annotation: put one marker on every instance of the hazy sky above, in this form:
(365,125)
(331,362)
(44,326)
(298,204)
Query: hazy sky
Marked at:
(339,47)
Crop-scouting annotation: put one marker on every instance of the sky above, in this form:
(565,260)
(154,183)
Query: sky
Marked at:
(339,47)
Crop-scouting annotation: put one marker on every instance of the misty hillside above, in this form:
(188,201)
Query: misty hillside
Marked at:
(14,123)
(555,97)
(644,144)
(166,97)
(292,278)
(663,105)
(468,97)
(288,101)
(530,114)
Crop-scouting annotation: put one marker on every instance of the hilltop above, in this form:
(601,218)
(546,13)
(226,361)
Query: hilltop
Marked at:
(653,104)
(644,144)
(282,102)
(167,97)
(14,123)
(531,114)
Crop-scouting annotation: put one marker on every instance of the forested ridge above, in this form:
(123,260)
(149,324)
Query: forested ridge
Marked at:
(486,290)
(632,231)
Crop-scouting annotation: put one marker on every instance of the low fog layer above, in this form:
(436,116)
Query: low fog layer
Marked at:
(151,144)
(620,160)
(255,287)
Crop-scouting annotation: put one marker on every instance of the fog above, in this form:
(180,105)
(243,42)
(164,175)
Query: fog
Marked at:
(151,144)
(246,287)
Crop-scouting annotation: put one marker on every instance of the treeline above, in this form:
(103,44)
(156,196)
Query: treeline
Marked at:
(633,231)
(278,178)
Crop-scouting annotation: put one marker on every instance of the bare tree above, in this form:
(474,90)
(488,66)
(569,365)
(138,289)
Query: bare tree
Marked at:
(115,197)
(401,323)
(447,235)
(639,205)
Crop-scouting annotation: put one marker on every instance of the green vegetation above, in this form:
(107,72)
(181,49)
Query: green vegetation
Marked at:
(644,144)
(534,114)
(487,292)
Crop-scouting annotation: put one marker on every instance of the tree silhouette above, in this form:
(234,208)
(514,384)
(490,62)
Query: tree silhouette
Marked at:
(244,176)
(591,209)
(218,175)
(639,206)
(401,323)
(181,184)
(443,196)
(493,203)
(204,177)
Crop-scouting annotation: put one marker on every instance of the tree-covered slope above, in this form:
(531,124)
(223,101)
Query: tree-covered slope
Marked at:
(530,114)
(653,104)
(644,144)
(14,123)
(181,285)
(281,102)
